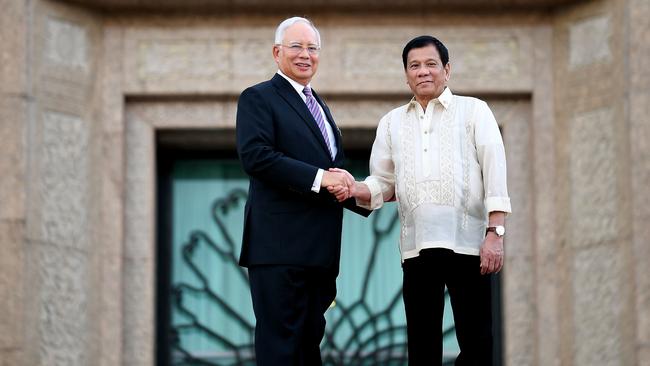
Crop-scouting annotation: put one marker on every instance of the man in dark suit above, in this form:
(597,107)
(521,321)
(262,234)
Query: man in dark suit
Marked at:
(287,140)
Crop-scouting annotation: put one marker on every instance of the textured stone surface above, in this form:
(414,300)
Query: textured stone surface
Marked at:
(519,305)
(362,113)
(187,60)
(592,185)
(510,64)
(111,323)
(64,183)
(13,122)
(348,113)
(139,249)
(184,59)
(13,46)
(66,44)
(140,180)
(111,234)
(640,153)
(518,278)
(597,306)
(139,314)
(139,244)
(11,283)
(63,323)
(639,74)
(11,357)
(379,58)
(66,81)
(594,189)
(639,48)
(544,168)
(469,56)
(203,60)
(111,88)
(643,355)
(514,119)
(589,41)
(112,164)
(112,199)
(195,114)
(251,58)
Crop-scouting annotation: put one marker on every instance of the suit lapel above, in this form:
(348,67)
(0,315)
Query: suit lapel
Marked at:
(288,93)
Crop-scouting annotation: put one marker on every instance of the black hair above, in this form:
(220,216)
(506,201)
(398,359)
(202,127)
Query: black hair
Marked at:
(423,41)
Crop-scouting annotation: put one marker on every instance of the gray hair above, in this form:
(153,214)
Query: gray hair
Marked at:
(279,32)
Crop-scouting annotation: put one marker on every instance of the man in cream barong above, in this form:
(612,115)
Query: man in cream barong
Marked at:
(441,156)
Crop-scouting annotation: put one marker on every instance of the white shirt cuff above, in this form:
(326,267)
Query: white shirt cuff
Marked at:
(376,197)
(498,204)
(319,177)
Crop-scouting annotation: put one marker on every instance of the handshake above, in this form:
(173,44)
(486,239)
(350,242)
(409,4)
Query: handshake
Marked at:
(340,183)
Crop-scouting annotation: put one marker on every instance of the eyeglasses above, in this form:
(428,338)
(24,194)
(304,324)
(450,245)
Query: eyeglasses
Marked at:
(296,49)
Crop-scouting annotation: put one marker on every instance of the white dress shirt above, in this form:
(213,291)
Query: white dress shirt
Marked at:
(446,168)
(330,133)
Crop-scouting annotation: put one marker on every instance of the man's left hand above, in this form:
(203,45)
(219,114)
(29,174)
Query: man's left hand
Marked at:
(491,254)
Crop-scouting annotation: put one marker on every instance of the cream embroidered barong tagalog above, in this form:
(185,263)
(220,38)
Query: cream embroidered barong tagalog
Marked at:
(445,166)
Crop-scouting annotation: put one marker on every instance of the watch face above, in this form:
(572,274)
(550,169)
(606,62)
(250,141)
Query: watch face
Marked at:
(500,230)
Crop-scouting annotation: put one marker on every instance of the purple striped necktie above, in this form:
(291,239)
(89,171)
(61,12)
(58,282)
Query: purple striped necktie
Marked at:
(312,105)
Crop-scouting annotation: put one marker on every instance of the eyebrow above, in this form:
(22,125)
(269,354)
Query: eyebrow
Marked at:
(299,43)
(427,60)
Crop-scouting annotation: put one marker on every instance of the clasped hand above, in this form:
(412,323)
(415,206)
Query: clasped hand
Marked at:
(340,183)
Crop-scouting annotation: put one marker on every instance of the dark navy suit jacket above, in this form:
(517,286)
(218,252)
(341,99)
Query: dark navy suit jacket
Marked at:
(281,148)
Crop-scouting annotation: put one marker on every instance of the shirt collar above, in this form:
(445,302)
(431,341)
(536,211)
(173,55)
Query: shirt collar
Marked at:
(444,99)
(296,85)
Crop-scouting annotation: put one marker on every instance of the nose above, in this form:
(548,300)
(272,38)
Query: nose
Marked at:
(304,53)
(423,71)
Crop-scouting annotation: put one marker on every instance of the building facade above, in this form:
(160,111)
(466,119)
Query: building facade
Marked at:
(90,89)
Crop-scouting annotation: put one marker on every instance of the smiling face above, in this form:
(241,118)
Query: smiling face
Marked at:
(425,74)
(300,66)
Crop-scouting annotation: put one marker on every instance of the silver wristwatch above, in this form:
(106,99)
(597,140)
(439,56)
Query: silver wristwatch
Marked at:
(499,230)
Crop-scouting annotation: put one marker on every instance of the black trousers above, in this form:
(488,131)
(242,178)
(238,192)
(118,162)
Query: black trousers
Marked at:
(289,304)
(425,278)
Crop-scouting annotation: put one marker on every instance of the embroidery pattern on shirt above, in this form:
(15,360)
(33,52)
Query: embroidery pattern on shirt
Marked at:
(440,192)
(447,156)
(408,158)
(466,154)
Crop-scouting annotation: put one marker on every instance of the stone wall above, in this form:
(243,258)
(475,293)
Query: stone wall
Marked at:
(596,262)
(637,78)
(213,55)
(13,130)
(49,71)
(83,93)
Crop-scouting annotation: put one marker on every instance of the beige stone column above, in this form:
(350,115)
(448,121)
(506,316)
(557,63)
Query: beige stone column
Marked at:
(14,104)
(637,13)
(47,210)
(596,253)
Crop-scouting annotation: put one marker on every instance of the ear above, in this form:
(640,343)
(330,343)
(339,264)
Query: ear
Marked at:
(447,71)
(276,53)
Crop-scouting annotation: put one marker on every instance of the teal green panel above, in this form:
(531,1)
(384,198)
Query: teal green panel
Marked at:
(215,295)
